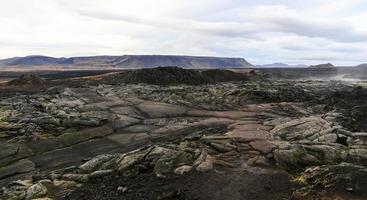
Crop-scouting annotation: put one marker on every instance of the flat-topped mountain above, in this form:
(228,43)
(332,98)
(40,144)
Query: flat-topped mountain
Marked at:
(128,61)
(280,65)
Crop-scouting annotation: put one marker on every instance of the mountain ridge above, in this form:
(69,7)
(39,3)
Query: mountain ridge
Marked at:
(323,66)
(280,65)
(128,61)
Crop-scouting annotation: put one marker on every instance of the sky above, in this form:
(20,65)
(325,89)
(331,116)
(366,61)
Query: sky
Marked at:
(261,31)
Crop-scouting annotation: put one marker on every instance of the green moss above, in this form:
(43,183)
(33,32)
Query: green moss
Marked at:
(3,114)
(303,158)
(297,156)
(182,158)
(300,179)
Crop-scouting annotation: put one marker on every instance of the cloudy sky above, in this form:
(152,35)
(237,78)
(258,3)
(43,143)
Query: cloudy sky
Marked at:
(262,31)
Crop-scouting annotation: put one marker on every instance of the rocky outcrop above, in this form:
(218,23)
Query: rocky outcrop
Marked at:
(314,141)
(344,181)
(191,155)
(28,80)
(174,76)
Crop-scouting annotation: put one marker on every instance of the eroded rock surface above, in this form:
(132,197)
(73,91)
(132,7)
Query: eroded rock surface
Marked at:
(275,139)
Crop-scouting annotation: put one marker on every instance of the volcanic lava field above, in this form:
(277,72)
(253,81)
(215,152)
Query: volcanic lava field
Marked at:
(173,133)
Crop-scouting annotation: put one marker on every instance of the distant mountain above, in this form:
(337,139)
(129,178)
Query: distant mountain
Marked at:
(364,65)
(280,65)
(129,61)
(31,61)
(323,66)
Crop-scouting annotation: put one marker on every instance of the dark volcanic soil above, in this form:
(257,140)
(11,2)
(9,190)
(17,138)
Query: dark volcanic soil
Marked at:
(212,185)
(175,75)
(28,80)
(352,103)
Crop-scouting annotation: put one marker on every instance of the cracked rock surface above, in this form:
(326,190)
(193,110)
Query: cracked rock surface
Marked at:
(239,140)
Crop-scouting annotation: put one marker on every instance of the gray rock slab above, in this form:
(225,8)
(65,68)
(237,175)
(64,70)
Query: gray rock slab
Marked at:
(160,110)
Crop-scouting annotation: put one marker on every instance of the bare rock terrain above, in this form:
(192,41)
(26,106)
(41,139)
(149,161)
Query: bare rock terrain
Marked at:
(253,138)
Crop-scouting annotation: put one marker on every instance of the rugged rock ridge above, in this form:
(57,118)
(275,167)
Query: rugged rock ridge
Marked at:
(129,61)
(175,75)
(27,80)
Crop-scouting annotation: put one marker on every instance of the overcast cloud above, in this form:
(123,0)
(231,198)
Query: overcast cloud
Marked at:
(292,31)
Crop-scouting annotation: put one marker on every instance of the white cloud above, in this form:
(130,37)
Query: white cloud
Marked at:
(261,31)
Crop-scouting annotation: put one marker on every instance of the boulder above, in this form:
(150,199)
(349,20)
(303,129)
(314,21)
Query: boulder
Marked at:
(17,190)
(80,178)
(38,190)
(183,170)
(300,128)
(122,121)
(128,160)
(262,146)
(300,156)
(345,178)
(99,162)
(204,162)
